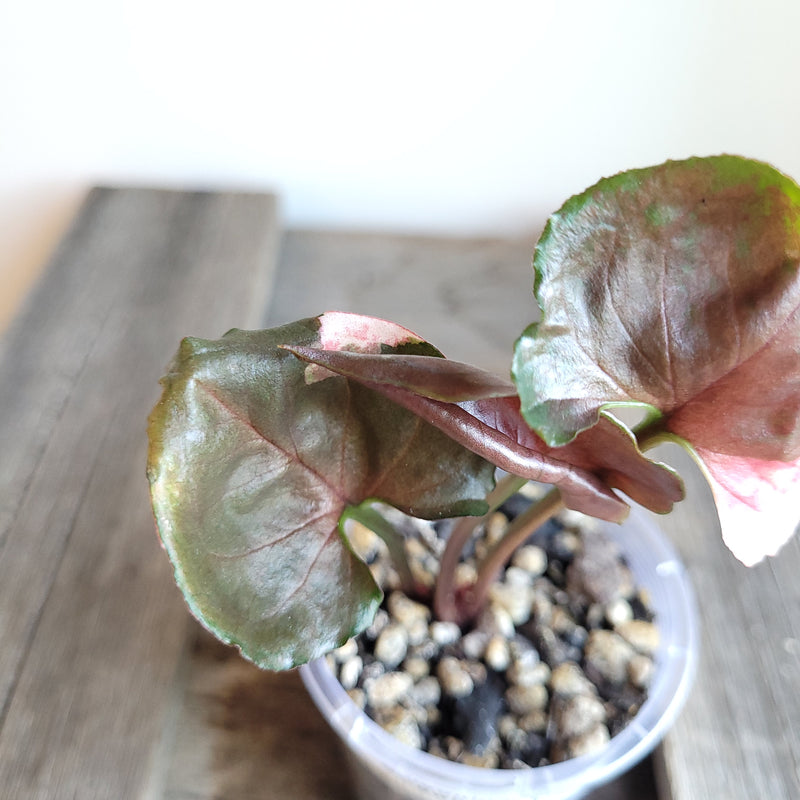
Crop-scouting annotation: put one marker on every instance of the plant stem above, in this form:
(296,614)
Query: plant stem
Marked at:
(377,523)
(444,603)
(517,532)
(652,432)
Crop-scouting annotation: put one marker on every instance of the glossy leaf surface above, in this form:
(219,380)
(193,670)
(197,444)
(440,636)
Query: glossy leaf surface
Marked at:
(251,466)
(607,450)
(675,287)
(436,378)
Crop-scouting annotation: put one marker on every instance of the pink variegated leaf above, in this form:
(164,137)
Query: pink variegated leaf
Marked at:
(251,468)
(676,288)
(661,284)
(752,411)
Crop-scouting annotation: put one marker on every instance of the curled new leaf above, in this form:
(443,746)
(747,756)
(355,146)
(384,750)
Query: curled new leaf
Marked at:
(607,450)
(428,376)
(251,466)
(675,287)
(484,416)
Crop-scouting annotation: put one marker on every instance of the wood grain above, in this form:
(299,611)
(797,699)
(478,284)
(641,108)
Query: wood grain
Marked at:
(245,734)
(92,628)
(471,298)
(739,735)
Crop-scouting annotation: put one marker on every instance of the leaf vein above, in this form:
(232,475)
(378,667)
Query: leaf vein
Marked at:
(335,490)
(265,545)
(628,334)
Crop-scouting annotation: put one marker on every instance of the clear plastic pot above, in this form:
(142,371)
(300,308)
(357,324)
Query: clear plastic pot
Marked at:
(386,769)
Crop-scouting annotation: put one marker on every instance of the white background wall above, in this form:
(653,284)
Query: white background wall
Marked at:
(444,117)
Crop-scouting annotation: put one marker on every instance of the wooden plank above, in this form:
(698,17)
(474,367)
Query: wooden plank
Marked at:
(246,734)
(739,735)
(469,297)
(91,624)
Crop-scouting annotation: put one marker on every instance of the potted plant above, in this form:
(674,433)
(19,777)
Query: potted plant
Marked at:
(673,289)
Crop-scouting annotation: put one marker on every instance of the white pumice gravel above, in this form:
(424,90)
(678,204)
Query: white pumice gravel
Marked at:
(454,678)
(609,654)
(588,742)
(474,643)
(497,653)
(391,645)
(403,726)
(524,699)
(528,670)
(417,667)
(350,672)
(640,634)
(579,714)
(427,691)
(558,661)
(412,615)
(445,632)
(568,680)
(514,599)
(641,670)
(496,621)
(387,689)
(531,559)
(618,611)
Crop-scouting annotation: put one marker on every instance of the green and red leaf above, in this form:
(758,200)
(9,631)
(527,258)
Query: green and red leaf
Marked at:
(676,288)
(607,450)
(252,462)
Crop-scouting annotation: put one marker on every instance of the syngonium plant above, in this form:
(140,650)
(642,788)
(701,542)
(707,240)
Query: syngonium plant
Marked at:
(674,289)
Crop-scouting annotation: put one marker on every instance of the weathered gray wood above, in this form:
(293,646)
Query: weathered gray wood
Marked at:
(739,736)
(91,624)
(469,297)
(246,734)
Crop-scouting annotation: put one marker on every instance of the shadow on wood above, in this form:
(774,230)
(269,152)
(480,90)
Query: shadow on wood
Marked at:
(244,733)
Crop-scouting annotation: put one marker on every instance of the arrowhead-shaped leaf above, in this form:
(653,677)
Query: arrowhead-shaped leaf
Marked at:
(675,287)
(251,466)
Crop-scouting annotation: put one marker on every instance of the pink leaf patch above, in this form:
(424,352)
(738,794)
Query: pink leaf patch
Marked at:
(356,333)
(756,502)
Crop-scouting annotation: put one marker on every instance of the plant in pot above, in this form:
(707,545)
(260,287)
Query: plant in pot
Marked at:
(674,290)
